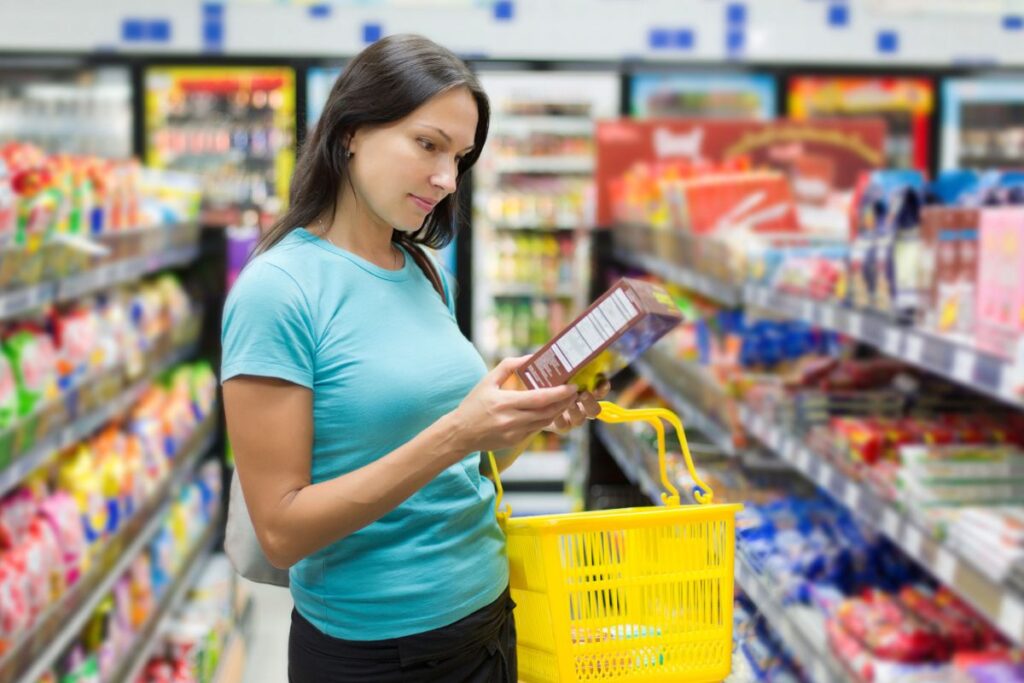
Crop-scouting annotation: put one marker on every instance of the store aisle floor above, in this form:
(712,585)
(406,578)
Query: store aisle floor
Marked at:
(268,649)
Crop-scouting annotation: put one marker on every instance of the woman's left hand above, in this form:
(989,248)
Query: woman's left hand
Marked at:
(586,408)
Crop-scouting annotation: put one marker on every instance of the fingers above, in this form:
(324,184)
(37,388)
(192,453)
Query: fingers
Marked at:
(601,391)
(589,405)
(542,399)
(503,370)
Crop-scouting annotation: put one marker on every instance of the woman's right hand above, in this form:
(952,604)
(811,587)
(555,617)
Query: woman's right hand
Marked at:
(491,418)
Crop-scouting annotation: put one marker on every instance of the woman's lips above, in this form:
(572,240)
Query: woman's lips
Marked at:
(425,205)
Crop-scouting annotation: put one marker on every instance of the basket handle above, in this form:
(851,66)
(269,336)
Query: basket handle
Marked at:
(502,515)
(615,414)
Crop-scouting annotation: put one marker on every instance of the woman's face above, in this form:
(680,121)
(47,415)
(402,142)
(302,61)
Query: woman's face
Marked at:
(401,170)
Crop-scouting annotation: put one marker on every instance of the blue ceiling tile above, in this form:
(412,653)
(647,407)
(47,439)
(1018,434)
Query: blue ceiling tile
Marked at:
(158,30)
(321,11)
(372,33)
(504,10)
(888,42)
(659,38)
(132,30)
(736,13)
(683,39)
(838,15)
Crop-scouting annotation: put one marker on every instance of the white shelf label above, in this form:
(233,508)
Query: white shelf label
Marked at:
(855,325)
(823,475)
(892,341)
(912,541)
(915,348)
(963,365)
(807,311)
(851,496)
(890,523)
(828,317)
(1011,616)
(820,672)
(945,565)
(775,439)
(803,458)
(789,449)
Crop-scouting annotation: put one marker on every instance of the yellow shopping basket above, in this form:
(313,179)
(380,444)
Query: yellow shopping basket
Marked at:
(641,594)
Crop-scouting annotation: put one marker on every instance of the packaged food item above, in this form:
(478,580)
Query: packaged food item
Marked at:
(33,359)
(1000,321)
(623,323)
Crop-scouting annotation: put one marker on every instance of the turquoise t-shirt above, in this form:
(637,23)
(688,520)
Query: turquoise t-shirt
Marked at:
(384,358)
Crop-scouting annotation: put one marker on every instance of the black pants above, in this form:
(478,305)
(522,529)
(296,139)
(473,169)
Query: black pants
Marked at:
(480,648)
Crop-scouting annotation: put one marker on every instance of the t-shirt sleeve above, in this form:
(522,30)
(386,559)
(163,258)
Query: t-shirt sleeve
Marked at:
(268,328)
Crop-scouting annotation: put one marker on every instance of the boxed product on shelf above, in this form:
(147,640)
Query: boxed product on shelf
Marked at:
(948,268)
(1000,294)
(614,330)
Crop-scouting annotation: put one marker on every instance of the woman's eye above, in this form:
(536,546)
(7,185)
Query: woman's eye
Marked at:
(426,144)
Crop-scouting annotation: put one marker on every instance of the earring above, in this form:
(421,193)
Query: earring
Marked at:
(348,154)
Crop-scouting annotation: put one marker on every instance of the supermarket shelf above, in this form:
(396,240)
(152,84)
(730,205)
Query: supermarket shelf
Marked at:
(150,636)
(123,272)
(554,125)
(653,367)
(79,429)
(26,299)
(1001,604)
(952,359)
(536,227)
(40,647)
(538,466)
(624,452)
(532,291)
(527,504)
(803,637)
(552,164)
(722,292)
(798,629)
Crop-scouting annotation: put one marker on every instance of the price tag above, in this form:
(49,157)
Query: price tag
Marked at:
(851,496)
(803,459)
(963,365)
(945,566)
(892,341)
(775,439)
(915,348)
(855,324)
(790,449)
(1011,616)
(823,475)
(807,311)
(890,523)
(912,541)
(828,317)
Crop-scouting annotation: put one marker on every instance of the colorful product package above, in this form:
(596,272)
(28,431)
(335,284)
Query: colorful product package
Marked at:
(617,328)
(948,268)
(1000,321)
(33,359)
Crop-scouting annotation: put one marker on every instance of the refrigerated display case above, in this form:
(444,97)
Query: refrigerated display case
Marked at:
(319,81)
(702,95)
(68,109)
(532,220)
(905,103)
(233,126)
(983,123)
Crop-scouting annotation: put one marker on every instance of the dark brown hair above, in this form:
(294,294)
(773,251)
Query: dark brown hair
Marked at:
(384,83)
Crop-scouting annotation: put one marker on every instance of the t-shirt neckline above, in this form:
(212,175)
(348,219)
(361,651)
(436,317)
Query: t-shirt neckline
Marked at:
(370,267)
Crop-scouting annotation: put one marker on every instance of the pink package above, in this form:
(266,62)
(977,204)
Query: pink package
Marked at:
(1000,310)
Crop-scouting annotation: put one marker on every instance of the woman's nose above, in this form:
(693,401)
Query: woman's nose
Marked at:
(445,180)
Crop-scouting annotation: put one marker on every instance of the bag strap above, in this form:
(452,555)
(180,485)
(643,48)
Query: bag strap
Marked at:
(427,266)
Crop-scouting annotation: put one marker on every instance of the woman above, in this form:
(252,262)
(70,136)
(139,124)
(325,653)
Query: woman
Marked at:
(356,409)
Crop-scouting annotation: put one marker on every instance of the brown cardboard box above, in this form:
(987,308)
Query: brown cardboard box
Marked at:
(617,328)
(949,267)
